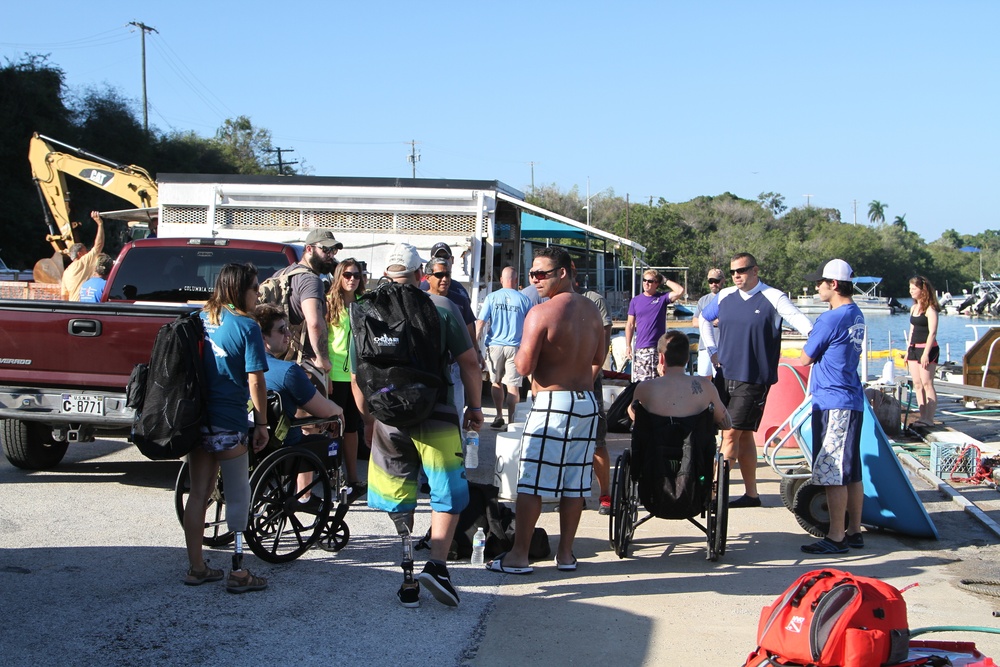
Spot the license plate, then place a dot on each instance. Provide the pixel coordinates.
(82, 405)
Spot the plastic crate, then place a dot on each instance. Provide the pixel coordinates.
(948, 459)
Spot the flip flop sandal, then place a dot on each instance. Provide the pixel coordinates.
(566, 567)
(496, 565)
(245, 584)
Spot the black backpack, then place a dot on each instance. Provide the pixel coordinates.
(169, 393)
(401, 368)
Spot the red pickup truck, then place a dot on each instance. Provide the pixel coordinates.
(64, 365)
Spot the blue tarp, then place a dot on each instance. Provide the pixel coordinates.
(537, 227)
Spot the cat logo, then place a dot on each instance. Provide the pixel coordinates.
(795, 625)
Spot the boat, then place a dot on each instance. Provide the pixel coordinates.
(810, 304)
(868, 300)
(984, 300)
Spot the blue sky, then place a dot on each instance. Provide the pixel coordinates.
(848, 101)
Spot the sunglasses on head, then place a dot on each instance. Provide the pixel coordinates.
(714, 281)
(741, 270)
(541, 275)
(442, 274)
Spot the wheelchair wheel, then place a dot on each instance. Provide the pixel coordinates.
(811, 509)
(789, 487)
(718, 512)
(624, 506)
(335, 537)
(281, 528)
(217, 533)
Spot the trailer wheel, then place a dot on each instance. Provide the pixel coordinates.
(30, 445)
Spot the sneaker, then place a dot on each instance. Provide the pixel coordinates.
(409, 595)
(826, 547)
(313, 504)
(856, 541)
(498, 424)
(605, 508)
(435, 578)
(745, 501)
(358, 489)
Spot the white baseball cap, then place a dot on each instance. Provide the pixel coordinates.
(835, 269)
(403, 254)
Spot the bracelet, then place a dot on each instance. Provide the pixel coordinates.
(476, 409)
(259, 424)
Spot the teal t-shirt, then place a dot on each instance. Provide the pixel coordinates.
(233, 349)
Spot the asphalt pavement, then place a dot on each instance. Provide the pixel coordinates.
(92, 556)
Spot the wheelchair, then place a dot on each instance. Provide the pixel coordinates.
(674, 470)
(281, 528)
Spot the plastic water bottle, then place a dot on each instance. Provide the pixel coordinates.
(471, 449)
(478, 546)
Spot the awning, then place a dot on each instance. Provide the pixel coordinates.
(535, 227)
(585, 230)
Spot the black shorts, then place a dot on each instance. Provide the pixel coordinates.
(913, 353)
(745, 403)
(341, 394)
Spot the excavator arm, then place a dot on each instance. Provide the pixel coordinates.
(49, 169)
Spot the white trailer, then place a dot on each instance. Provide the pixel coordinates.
(480, 220)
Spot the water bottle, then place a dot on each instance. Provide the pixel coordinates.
(472, 449)
(478, 546)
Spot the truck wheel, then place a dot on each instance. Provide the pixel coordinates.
(30, 445)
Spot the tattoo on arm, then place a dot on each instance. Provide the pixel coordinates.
(696, 387)
(727, 421)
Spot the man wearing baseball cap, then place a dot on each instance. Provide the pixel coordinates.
(442, 249)
(834, 349)
(307, 305)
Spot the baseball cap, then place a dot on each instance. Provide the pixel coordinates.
(403, 254)
(438, 247)
(835, 269)
(324, 238)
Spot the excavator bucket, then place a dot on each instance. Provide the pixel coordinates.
(50, 269)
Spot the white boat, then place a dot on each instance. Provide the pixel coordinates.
(869, 301)
(810, 304)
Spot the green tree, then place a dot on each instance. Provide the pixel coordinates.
(773, 202)
(900, 221)
(876, 212)
(245, 146)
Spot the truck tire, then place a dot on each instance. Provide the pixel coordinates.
(30, 445)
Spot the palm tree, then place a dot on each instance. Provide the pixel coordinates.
(900, 222)
(876, 212)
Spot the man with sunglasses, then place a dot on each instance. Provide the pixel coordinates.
(562, 349)
(646, 322)
(746, 357)
(307, 305)
(501, 319)
(715, 282)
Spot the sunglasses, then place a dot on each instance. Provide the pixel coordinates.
(255, 287)
(442, 274)
(741, 270)
(541, 275)
(283, 330)
(714, 281)
(350, 275)
(654, 280)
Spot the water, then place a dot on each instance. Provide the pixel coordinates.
(953, 332)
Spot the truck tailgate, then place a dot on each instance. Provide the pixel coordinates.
(77, 345)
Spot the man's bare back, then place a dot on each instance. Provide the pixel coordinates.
(563, 340)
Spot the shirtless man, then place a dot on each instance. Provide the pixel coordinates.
(562, 349)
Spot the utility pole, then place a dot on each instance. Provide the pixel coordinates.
(855, 202)
(281, 163)
(808, 199)
(143, 29)
(533, 177)
(414, 157)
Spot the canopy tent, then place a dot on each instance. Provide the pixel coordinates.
(537, 227)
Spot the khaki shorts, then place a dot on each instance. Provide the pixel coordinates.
(500, 364)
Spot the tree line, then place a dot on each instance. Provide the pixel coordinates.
(788, 243)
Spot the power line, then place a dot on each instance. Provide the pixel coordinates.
(414, 157)
(143, 29)
(281, 164)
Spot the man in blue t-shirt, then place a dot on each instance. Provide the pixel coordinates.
(834, 348)
(502, 320)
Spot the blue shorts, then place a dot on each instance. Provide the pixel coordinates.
(836, 446)
(398, 454)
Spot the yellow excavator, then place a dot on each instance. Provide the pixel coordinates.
(49, 168)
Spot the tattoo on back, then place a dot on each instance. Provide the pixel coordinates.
(696, 387)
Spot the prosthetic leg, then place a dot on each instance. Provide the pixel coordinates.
(409, 592)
